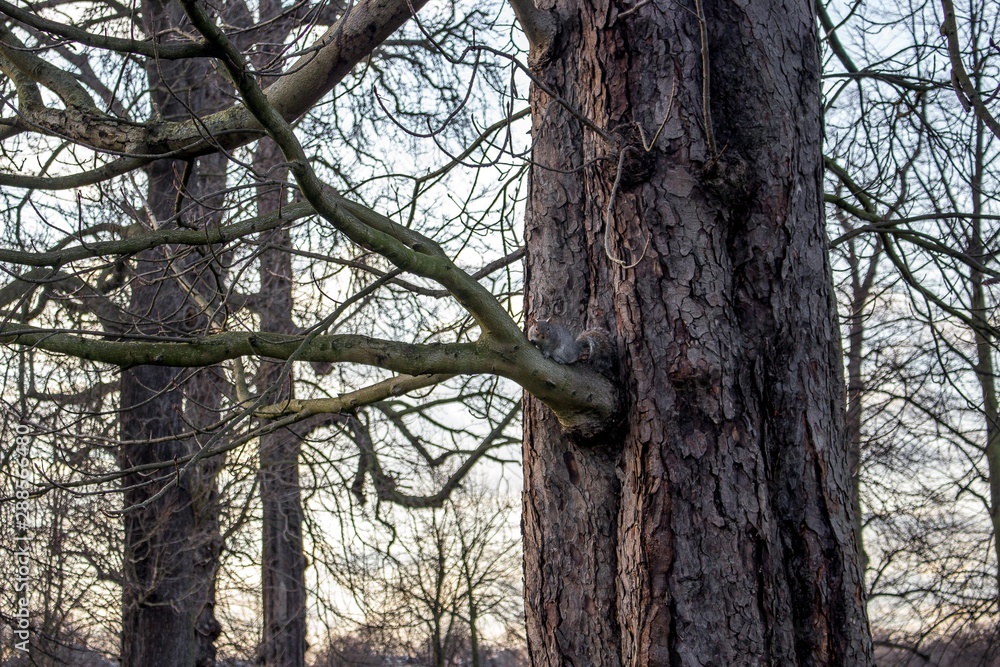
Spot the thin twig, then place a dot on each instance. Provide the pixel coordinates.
(706, 108)
(648, 147)
(608, 219)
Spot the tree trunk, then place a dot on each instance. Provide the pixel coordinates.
(862, 281)
(204, 398)
(716, 527)
(283, 563)
(158, 619)
(172, 543)
(855, 397)
(984, 368)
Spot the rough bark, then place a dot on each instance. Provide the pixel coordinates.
(716, 527)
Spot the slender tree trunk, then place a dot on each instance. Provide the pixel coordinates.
(716, 527)
(438, 635)
(204, 394)
(985, 368)
(855, 394)
(283, 564)
(861, 289)
(476, 661)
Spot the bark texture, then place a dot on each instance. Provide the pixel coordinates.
(716, 527)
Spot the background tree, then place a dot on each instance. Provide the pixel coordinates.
(443, 580)
(911, 165)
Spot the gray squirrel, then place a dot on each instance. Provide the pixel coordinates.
(593, 346)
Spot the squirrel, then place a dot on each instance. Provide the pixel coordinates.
(558, 343)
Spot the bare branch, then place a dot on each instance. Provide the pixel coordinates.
(964, 87)
(377, 392)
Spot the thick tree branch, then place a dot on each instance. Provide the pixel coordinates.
(584, 401)
(348, 42)
(126, 351)
(966, 90)
(540, 27)
(138, 241)
(29, 96)
(60, 82)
